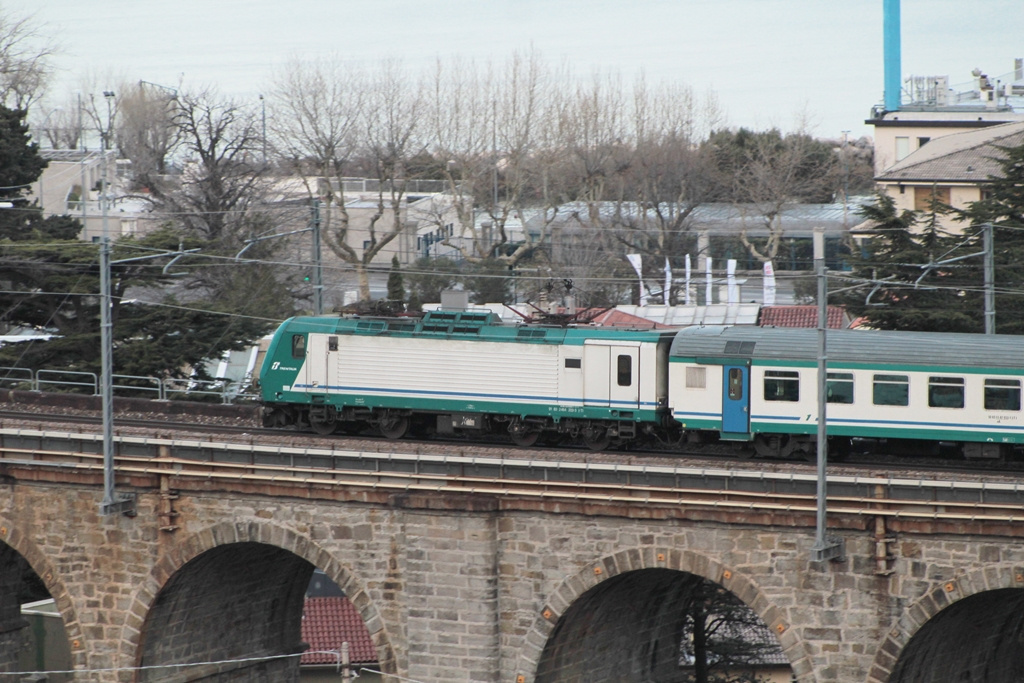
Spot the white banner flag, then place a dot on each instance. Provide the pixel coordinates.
(668, 282)
(636, 261)
(733, 290)
(769, 284)
(707, 281)
(686, 295)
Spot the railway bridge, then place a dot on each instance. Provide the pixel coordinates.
(507, 570)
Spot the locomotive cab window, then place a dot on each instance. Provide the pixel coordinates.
(625, 371)
(298, 346)
(839, 387)
(332, 343)
(891, 390)
(946, 392)
(781, 385)
(574, 362)
(1002, 394)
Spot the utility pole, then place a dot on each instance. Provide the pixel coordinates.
(318, 275)
(111, 504)
(825, 547)
(990, 280)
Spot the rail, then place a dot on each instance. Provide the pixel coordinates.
(161, 389)
(744, 491)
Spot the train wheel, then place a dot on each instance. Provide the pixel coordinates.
(322, 426)
(523, 434)
(596, 437)
(392, 425)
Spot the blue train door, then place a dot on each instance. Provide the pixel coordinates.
(736, 399)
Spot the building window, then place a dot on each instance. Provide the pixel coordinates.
(924, 196)
(921, 142)
(781, 385)
(891, 390)
(839, 387)
(946, 392)
(1002, 394)
(902, 148)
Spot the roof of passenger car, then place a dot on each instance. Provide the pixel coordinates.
(926, 349)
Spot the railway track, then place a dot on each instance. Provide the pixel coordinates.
(324, 472)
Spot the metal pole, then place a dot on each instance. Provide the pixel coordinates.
(106, 352)
(990, 280)
(263, 103)
(81, 145)
(824, 548)
(318, 275)
(110, 504)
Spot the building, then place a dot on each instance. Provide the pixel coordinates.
(930, 109)
(952, 169)
(327, 622)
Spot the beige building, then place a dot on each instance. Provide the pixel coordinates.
(933, 109)
(953, 169)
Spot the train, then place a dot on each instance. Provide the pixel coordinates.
(467, 373)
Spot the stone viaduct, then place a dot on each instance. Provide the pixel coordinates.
(478, 587)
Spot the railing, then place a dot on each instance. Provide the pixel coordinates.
(165, 389)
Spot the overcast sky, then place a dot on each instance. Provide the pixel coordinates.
(768, 60)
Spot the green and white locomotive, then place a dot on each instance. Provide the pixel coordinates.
(465, 372)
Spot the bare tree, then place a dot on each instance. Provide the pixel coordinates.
(390, 124)
(24, 66)
(769, 172)
(145, 131)
(488, 124)
(220, 188)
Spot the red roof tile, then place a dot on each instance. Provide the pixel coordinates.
(801, 316)
(329, 622)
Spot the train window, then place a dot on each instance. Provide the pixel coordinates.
(332, 343)
(574, 362)
(839, 387)
(625, 371)
(1002, 394)
(781, 385)
(946, 392)
(696, 377)
(891, 390)
(735, 384)
(298, 346)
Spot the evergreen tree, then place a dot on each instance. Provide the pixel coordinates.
(903, 293)
(1003, 208)
(396, 286)
(50, 281)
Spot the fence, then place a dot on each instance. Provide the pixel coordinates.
(165, 389)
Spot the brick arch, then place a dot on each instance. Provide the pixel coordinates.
(634, 559)
(12, 536)
(922, 610)
(252, 532)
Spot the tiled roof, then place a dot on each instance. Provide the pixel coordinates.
(329, 622)
(617, 318)
(802, 316)
(960, 157)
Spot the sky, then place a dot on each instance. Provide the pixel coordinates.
(771, 63)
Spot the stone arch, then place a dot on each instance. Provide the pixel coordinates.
(941, 596)
(227, 533)
(634, 559)
(12, 536)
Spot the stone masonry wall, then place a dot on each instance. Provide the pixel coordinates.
(471, 593)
